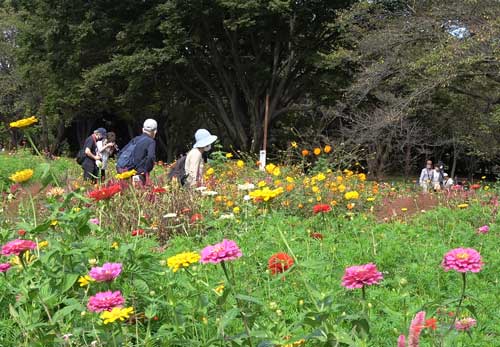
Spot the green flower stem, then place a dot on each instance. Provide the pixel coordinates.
(41, 156)
(238, 303)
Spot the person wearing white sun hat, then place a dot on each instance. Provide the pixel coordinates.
(194, 159)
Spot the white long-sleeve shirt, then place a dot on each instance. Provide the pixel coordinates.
(427, 176)
(194, 167)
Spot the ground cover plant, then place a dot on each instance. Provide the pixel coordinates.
(295, 255)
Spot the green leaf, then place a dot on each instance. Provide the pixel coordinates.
(68, 282)
(150, 311)
(249, 299)
(228, 318)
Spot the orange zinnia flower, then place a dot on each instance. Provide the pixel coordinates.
(327, 149)
(317, 151)
(305, 152)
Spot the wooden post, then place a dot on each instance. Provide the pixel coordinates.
(263, 152)
(266, 122)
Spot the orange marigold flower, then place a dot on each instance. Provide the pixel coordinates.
(317, 151)
(305, 152)
(327, 149)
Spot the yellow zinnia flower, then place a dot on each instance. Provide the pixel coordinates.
(182, 260)
(85, 280)
(43, 244)
(126, 174)
(240, 163)
(219, 289)
(462, 206)
(354, 195)
(21, 176)
(229, 155)
(22, 123)
(210, 171)
(115, 314)
(294, 144)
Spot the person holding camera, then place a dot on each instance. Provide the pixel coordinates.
(105, 148)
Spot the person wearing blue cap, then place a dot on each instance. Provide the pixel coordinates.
(90, 170)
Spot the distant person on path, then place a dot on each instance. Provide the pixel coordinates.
(427, 177)
(105, 148)
(194, 160)
(447, 181)
(91, 156)
(140, 153)
(437, 178)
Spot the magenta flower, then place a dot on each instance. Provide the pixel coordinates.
(483, 230)
(360, 276)
(105, 301)
(402, 341)
(94, 221)
(108, 272)
(465, 324)
(462, 260)
(224, 251)
(4, 267)
(18, 246)
(416, 326)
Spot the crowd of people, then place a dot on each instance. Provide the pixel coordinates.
(433, 178)
(140, 155)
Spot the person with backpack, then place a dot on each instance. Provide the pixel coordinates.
(140, 153)
(88, 155)
(194, 162)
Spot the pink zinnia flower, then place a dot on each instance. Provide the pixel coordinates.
(108, 272)
(18, 246)
(402, 341)
(416, 326)
(465, 324)
(224, 251)
(483, 230)
(462, 260)
(361, 275)
(105, 301)
(4, 267)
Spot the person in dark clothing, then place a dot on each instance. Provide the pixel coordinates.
(143, 152)
(90, 149)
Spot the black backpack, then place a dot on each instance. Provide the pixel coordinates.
(179, 170)
(80, 156)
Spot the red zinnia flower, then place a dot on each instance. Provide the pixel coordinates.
(279, 262)
(105, 192)
(475, 186)
(159, 190)
(321, 208)
(138, 232)
(317, 236)
(196, 218)
(431, 323)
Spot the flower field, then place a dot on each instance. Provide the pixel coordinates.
(255, 258)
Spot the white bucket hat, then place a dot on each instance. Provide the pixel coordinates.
(203, 138)
(150, 125)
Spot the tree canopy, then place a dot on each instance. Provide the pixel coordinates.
(403, 80)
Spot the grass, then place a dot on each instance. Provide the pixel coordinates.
(183, 309)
